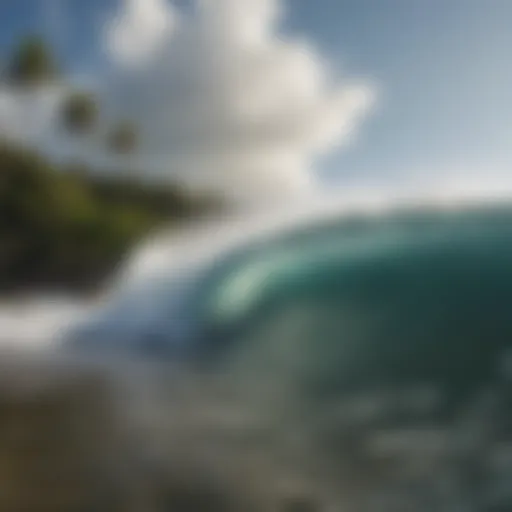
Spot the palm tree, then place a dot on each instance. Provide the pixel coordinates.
(80, 113)
(123, 138)
(32, 64)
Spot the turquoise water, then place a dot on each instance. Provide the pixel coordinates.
(421, 298)
(365, 362)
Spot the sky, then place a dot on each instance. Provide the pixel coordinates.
(297, 94)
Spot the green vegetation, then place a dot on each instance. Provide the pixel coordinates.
(32, 64)
(67, 228)
(80, 113)
(123, 138)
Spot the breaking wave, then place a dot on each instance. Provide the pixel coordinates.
(393, 392)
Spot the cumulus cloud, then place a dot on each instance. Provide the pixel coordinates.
(29, 116)
(223, 99)
(139, 29)
(33, 118)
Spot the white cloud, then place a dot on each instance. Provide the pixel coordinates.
(222, 98)
(139, 28)
(30, 116)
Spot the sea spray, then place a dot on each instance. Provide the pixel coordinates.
(419, 420)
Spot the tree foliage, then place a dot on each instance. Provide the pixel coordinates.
(32, 63)
(80, 113)
(70, 229)
(123, 138)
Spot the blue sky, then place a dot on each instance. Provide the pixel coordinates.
(443, 69)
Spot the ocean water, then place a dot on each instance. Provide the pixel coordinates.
(377, 378)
